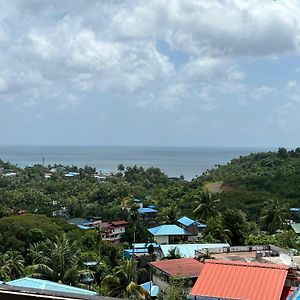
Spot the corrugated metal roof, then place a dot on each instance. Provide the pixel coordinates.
(154, 288)
(188, 250)
(187, 267)
(186, 221)
(296, 227)
(241, 280)
(294, 294)
(147, 210)
(34, 283)
(168, 230)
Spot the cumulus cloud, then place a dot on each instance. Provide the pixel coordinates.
(53, 49)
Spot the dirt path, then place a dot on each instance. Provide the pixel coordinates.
(216, 187)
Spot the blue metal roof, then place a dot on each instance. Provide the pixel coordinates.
(295, 295)
(168, 230)
(154, 288)
(186, 221)
(147, 210)
(188, 250)
(41, 284)
(128, 252)
(85, 227)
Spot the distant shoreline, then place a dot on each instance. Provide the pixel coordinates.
(174, 161)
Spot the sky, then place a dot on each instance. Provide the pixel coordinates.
(150, 72)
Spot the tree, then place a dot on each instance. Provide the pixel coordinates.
(217, 230)
(235, 220)
(120, 283)
(170, 214)
(273, 215)
(121, 168)
(173, 253)
(11, 265)
(207, 206)
(58, 261)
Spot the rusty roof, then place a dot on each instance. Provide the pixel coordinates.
(241, 280)
(187, 267)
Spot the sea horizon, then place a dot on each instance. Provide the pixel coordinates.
(174, 161)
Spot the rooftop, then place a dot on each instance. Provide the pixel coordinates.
(147, 210)
(296, 227)
(168, 230)
(188, 250)
(187, 267)
(241, 280)
(186, 221)
(48, 285)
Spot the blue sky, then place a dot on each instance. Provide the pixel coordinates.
(161, 73)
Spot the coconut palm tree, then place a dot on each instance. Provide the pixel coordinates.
(58, 261)
(11, 265)
(170, 214)
(207, 206)
(273, 215)
(120, 283)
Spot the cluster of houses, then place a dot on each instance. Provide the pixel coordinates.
(256, 273)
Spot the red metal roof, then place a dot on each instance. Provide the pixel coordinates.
(188, 267)
(119, 223)
(241, 280)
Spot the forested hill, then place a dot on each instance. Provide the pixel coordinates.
(260, 175)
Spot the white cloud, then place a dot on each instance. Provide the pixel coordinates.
(51, 49)
(264, 92)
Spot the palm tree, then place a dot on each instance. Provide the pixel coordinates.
(273, 215)
(58, 261)
(15, 262)
(11, 265)
(120, 283)
(170, 214)
(207, 207)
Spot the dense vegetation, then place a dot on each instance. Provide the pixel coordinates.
(251, 207)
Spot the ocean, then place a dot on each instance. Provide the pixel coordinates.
(174, 161)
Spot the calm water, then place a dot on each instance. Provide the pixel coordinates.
(172, 160)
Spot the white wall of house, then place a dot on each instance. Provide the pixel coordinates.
(119, 230)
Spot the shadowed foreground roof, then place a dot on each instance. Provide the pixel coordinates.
(9, 292)
(48, 285)
(241, 280)
(187, 267)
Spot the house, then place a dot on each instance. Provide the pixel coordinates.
(111, 231)
(71, 174)
(185, 269)
(166, 234)
(193, 227)
(41, 284)
(147, 213)
(79, 221)
(241, 280)
(140, 249)
(189, 250)
(296, 227)
(10, 174)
